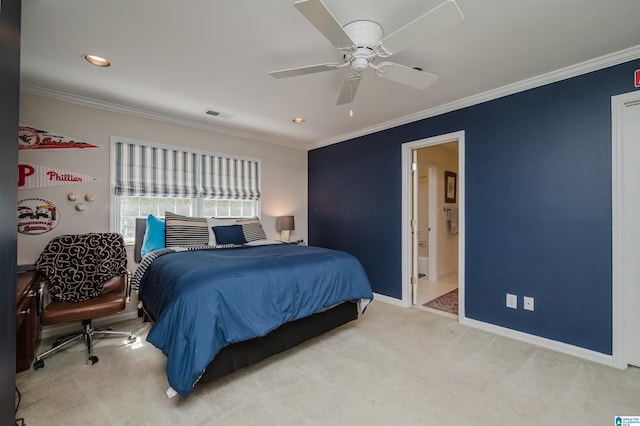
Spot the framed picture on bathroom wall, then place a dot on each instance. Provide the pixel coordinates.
(449, 187)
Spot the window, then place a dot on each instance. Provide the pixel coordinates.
(229, 208)
(151, 179)
(142, 206)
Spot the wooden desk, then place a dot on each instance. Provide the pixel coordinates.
(27, 324)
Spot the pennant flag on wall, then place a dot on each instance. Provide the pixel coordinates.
(32, 138)
(33, 176)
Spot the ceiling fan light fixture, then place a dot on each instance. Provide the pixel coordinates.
(364, 34)
(362, 42)
(359, 64)
(96, 60)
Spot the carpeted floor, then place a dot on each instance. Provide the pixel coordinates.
(392, 366)
(447, 302)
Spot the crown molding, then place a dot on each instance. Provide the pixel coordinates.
(68, 97)
(596, 64)
(605, 61)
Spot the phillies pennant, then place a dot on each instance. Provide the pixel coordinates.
(33, 176)
(32, 138)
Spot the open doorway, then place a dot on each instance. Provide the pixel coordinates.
(436, 228)
(433, 223)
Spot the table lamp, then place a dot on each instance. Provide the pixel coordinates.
(284, 224)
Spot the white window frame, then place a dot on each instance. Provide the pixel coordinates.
(197, 202)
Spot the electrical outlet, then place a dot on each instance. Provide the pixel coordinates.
(512, 301)
(528, 303)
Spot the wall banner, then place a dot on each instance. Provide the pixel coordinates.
(32, 138)
(34, 176)
(37, 216)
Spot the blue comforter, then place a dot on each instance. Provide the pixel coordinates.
(204, 300)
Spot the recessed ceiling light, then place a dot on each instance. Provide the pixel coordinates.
(298, 120)
(96, 60)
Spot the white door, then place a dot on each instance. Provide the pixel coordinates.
(414, 226)
(433, 224)
(631, 242)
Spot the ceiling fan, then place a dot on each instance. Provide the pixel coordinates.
(362, 42)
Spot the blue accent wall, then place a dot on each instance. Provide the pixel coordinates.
(538, 205)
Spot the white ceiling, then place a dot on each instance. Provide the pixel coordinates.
(175, 59)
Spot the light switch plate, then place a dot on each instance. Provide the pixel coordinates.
(512, 301)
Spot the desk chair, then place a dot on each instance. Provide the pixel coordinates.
(85, 276)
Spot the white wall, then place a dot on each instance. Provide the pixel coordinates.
(284, 170)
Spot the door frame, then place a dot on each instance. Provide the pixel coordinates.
(407, 193)
(619, 278)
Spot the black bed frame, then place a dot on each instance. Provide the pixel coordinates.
(242, 354)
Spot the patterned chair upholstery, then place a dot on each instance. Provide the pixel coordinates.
(85, 276)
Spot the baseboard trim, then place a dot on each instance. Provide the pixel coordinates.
(388, 299)
(565, 348)
(554, 345)
(62, 329)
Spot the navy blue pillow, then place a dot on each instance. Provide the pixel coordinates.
(231, 234)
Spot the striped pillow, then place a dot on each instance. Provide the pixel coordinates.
(185, 231)
(252, 230)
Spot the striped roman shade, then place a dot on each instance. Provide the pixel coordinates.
(229, 178)
(154, 171)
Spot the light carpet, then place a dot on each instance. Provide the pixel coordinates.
(392, 366)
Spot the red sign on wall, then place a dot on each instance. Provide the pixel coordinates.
(637, 78)
(32, 138)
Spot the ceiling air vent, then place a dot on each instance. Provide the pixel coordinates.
(217, 113)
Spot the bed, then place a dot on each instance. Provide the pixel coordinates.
(219, 308)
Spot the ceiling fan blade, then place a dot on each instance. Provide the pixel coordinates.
(433, 22)
(405, 75)
(317, 13)
(349, 88)
(304, 70)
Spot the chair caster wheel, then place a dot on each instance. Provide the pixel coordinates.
(92, 360)
(38, 364)
(131, 339)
